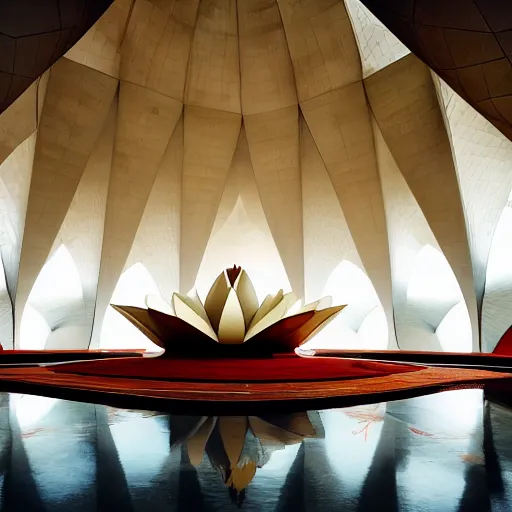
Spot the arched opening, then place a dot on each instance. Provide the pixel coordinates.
(497, 303)
(362, 324)
(34, 330)
(242, 241)
(436, 316)
(54, 316)
(131, 290)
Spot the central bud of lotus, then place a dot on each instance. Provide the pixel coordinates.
(231, 315)
(233, 310)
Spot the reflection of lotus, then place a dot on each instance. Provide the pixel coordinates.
(238, 445)
(231, 315)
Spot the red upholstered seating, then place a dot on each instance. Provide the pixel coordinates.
(280, 368)
(504, 346)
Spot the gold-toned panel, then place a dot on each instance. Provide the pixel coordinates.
(403, 99)
(265, 65)
(77, 103)
(327, 238)
(82, 230)
(210, 138)
(273, 139)
(340, 124)
(100, 47)
(145, 123)
(156, 47)
(322, 45)
(157, 242)
(213, 74)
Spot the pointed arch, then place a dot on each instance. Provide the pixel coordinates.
(436, 315)
(497, 302)
(34, 330)
(57, 300)
(362, 324)
(241, 233)
(132, 287)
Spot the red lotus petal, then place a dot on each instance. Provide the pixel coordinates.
(169, 332)
(289, 333)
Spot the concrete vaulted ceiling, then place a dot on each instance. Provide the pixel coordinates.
(468, 43)
(299, 138)
(34, 34)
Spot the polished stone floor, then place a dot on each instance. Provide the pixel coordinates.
(446, 452)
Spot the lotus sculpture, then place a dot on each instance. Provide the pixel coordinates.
(231, 321)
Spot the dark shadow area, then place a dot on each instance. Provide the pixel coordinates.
(291, 497)
(475, 497)
(111, 486)
(46, 30)
(190, 496)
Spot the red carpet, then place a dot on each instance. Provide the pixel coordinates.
(285, 368)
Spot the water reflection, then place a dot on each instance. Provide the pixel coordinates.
(450, 451)
(236, 446)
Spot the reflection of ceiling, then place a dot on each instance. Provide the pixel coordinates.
(34, 34)
(468, 43)
(139, 142)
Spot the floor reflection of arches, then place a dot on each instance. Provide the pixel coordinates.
(498, 450)
(447, 451)
(142, 445)
(351, 438)
(52, 457)
(439, 427)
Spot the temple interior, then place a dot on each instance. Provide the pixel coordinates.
(352, 157)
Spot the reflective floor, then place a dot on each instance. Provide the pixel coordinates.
(446, 452)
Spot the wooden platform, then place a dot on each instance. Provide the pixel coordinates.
(205, 397)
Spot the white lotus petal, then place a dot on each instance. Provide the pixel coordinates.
(194, 303)
(290, 299)
(232, 324)
(156, 303)
(295, 308)
(216, 299)
(270, 302)
(186, 313)
(270, 318)
(233, 430)
(269, 432)
(324, 303)
(262, 310)
(197, 443)
(247, 297)
(312, 306)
